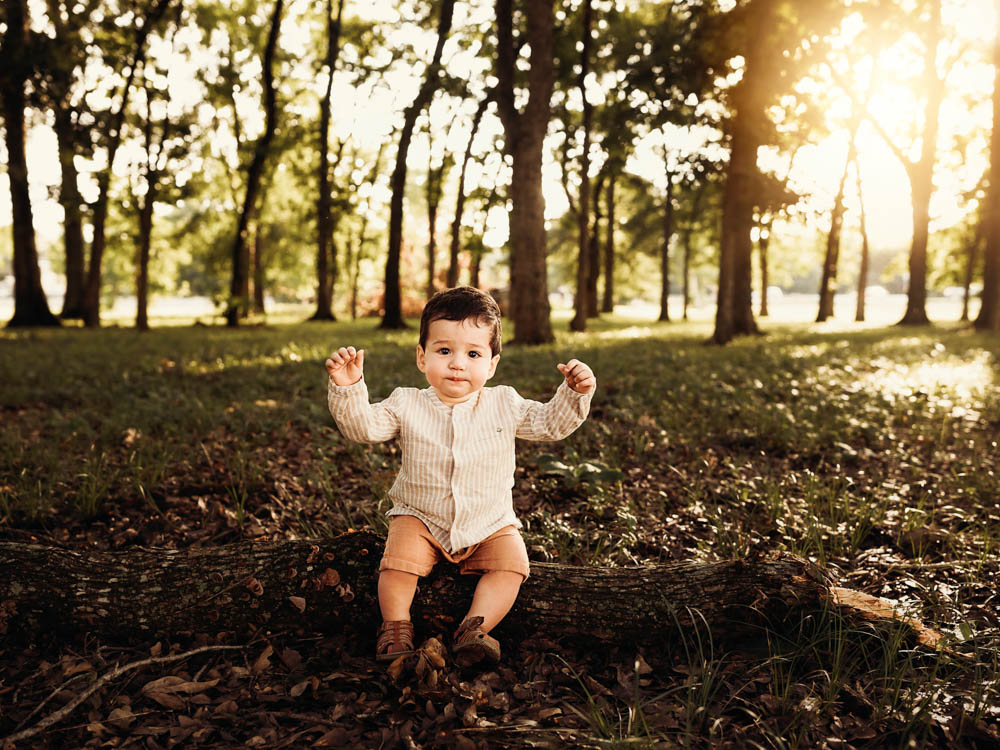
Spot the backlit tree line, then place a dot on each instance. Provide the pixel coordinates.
(258, 176)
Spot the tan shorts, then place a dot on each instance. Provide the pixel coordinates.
(412, 548)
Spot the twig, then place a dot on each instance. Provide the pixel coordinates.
(49, 697)
(107, 677)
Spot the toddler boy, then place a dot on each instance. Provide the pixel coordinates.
(452, 497)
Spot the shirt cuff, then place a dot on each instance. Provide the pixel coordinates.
(346, 390)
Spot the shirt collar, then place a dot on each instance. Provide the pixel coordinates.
(467, 405)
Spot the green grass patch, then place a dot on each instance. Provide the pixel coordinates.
(872, 452)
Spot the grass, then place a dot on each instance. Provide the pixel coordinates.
(873, 452)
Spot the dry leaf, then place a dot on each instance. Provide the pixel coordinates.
(299, 602)
(336, 737)
(300, 687)
(264, 660)
(167, 700)
(121, 718)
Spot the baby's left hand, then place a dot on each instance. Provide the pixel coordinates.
(578, 376)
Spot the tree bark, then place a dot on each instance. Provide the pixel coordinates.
(828, 278)
(325, 270)
(324, 585)
(392, 317)
(240, 281)
(763, 241)
(524, 137)
(456, 224)
(71, 201)
(608, 303)
(971, 261)
(581, 304)
(31, 308)
(859, 311)
(922, 181)
(435, 183)
(92, 291)
(594, 247)
(668, 233)
(989, 308)
(734, 312)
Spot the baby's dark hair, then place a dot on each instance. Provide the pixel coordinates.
(463, 303)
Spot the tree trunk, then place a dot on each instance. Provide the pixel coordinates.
(763, 241)
(608, 304)
(323, 585)
(524, 138)
(594, 248)
(435, 180)
(859, 311)
(668, 233)
(259, 275)
(828, 280)
(240, 282)
(71, 202)
(456, 224)
(92, 291)
(392, 317)
(581, 304)
(734, 313)
(989, 308)
(325, 276)
(688, 231)
(922, 182)
(31, 308)
(971, 261)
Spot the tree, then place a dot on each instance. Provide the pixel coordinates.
(239, 284)
(152, 176)
(524, 136)
(734, 315)
(61, 57)
(326, 266)
(31, 308)
(581, 303)
(769, 35)
(112, 139)
(828, 276)
(859, 310)
(456, 224)
(433, 189)
(921, 172)
(989, 311)
(392, 317)
(608, 301)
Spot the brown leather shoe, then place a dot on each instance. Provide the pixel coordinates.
(472, 645)
(395, 639)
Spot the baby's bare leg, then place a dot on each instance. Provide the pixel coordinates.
(495, 595)
(395, 593)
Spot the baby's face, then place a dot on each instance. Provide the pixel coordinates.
(458, 360)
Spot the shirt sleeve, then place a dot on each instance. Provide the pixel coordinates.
(554, 419)
(359, 420)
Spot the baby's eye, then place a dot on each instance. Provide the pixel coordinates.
(475, 355)
(444, 350)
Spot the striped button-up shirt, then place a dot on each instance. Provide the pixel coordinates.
(458, 462)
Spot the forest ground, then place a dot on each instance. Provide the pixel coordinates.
(872, 452)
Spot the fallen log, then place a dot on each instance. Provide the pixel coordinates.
(258, 587)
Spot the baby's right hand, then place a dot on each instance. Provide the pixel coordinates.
(346, 365)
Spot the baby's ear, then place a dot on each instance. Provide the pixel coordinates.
(493, 365)
(421, 364)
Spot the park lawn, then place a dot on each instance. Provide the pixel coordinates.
(872, 452)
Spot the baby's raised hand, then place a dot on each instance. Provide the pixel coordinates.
(346, 365)
(578, 376)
